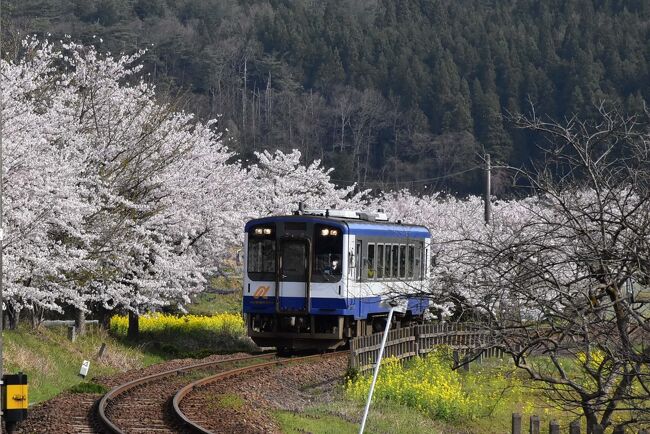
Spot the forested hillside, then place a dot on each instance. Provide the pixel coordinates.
(386, 91)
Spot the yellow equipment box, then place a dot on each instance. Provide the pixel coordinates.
(14, 399)
(17, 396)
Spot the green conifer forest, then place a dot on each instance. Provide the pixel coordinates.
(392, 93)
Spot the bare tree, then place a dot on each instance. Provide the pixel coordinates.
(365, 123)
(559, 286)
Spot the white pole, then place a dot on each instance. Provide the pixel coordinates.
(374, 377)
(488, 187)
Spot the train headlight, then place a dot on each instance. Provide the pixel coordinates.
(329, 232)
(267, 231)
(258, 231)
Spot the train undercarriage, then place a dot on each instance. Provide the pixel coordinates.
(319, 332)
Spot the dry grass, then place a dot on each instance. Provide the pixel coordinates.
(26, 358)
(52, 362)
(121, 360)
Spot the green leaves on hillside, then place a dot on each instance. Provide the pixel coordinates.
(363, 83)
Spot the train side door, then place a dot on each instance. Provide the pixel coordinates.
(293, 276)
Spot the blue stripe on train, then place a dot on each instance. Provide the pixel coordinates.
(358, 228)
(388, 230)
(360, 308)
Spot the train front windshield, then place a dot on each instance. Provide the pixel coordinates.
(266, 243)
(261, 253)
(328, 249)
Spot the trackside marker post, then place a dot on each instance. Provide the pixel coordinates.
(84, 369)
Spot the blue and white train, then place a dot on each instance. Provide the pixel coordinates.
(317, 278)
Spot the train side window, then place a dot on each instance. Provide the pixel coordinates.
(418, 261)
(371, 261)
(402, 261)
(359, 260)
(380, 261)
(411, 258)
(394, 261)
(386, 261)
(425, 253)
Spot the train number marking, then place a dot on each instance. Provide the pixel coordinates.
(261, 292)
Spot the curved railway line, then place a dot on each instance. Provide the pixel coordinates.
(199, 425)
(142, 405)
(155, 403)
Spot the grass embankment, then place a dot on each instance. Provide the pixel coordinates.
(426, 395)
(343, 416)
(52, 362)
(209, 303)
(223, 296)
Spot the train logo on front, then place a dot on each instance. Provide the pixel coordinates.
(261, 292)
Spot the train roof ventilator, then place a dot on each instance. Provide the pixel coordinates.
(380, 216)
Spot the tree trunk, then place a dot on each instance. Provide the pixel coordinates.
(80, 321)
(134, 326)
(36, 316)
(104, 317)
(592, 420)
(11, 318)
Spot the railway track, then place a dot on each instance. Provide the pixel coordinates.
(157, 403)
(143, 405)
(200, 419)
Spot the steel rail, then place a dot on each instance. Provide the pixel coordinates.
(182, 393)
(122, 388)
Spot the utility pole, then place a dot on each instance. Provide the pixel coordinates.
(2, 386)
(486, 197)
(243, 103)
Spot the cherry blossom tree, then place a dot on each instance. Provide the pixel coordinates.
(572, 267)
(116, 199)
(113, 199)
(555, 277)
(41, 195)
(281, 181)
(161, 182)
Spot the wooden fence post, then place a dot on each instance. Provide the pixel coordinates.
(102, 350)
(72, 333)
(457, 359)
(416, 340)
(516, 423)
(554, 427)
(619, 429)
(534, 424)
(574, 428)
(353, 358)
(597, 429)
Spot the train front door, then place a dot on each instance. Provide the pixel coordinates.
(294, 275)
